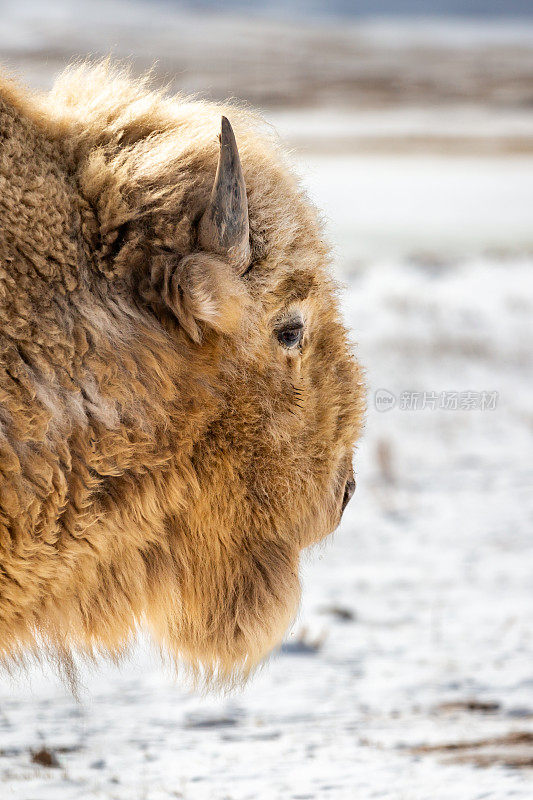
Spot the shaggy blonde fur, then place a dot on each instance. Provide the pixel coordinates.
(163, 459)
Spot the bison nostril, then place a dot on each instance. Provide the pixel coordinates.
(349, 489)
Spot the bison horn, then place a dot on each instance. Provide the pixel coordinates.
(224, 227)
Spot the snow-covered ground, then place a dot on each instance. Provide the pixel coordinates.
(421, 603)
(416, 623)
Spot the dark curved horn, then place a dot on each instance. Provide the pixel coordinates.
(224, 227)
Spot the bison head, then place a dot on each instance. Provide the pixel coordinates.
(216, 400)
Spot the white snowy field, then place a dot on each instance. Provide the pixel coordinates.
(416, 627)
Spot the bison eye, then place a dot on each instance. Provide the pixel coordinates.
(291, 335)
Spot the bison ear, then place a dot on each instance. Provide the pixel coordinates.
(224, 228)
(200, 291)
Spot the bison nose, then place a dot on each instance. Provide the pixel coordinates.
(349, 489)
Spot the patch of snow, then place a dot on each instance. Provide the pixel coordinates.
(400, 206)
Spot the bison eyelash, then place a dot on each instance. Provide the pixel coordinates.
(298, 395)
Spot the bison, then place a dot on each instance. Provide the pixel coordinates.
(179, 401)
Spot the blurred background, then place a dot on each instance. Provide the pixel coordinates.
(408, 674)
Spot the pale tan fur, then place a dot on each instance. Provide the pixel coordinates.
(163, 459)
